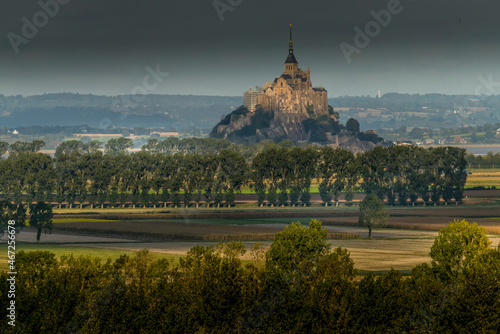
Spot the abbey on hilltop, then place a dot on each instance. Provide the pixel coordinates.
(290, 108)
(291, 93)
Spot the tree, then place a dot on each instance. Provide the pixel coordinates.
(20, 147)
(297, 244)
(69, 147)
(416, 133)
(117, 146)
(457, 245)
(151, 145)
(372, 213)
(9, 212)
(92, 147)
(352, 125)
(41, 218)
(334, 113)
(4, 147)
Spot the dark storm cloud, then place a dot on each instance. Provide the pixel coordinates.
(103, 46)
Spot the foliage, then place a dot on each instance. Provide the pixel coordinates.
(41, 218)
(116, 146)
(297, 244)
(13, 212)
(352, 125)
(372, 213)
(302, 286)
(457, 246)
(214, 167)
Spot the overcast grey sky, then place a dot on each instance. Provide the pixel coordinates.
(104, 46)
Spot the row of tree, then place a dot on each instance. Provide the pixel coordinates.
(280, 175)
(299, 285)
(490, 160)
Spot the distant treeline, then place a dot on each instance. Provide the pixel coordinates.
(66, 109)
(398, 102)
(489, 160)
(299, 285)
(279, 175)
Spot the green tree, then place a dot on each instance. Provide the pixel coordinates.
(334, 113)
(41, 218)
(4, 147)
(92, 147)
(14, 212)
(116, 146)
(22, 147)
(457, 245)
(297, 244)
(372, 213)
(352, 125)
(151, 146)
(69, 147)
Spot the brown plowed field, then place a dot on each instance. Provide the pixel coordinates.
(427, 223)
(171, 230)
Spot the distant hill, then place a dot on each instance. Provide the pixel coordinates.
(169, 111)
(391, 111)
(434, 111)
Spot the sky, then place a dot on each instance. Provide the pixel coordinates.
(223, 47)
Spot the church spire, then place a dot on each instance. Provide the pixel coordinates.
(291, 58)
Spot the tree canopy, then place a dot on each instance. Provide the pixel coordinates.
(372, 213)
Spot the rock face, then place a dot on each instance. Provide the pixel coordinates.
(245, 127)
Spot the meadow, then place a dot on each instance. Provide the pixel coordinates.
(170, 233)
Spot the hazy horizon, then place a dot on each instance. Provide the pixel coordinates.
(91, 47)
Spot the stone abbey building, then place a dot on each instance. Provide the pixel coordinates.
(292, 94)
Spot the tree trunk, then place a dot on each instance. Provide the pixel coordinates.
(60, 205)
(369, 233)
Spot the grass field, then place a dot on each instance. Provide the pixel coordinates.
(61, 250)
(172, 232)
(484, 177)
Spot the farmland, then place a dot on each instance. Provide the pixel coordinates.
(402, 244)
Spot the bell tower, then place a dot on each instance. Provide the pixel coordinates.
(291, 64)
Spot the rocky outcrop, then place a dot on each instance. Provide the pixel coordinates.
(245, 127)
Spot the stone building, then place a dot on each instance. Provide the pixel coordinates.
(250, 98)
(292, 94)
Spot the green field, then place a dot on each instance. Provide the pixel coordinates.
(61, 250)
(485, 177)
